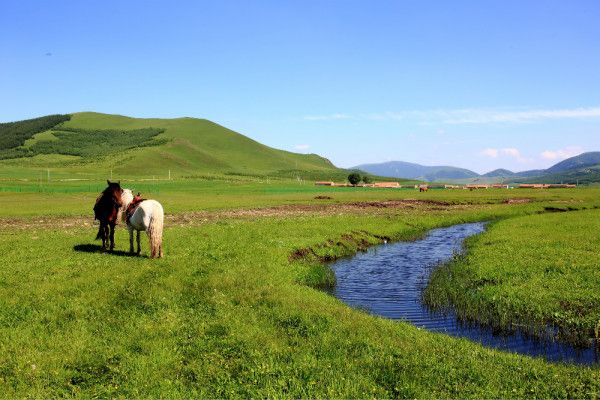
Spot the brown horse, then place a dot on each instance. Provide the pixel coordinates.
(106, 210)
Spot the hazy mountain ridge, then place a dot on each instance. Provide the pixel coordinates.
(584, 160)
(499, 173)
(402, 169)
(583, 168)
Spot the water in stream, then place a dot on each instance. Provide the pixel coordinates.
(388, 280)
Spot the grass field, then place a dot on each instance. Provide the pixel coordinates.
(231, 312)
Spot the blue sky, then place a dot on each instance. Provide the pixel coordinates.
(477, 84)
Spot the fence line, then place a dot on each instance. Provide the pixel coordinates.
(155, 189)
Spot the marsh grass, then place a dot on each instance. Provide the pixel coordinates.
(531, 272)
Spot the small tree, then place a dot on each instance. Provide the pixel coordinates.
(354, 178)
(367, 179)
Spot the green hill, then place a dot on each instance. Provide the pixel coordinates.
(499, 173)
(581, 161)
(88, 144)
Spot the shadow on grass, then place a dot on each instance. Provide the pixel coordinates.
(96, 248)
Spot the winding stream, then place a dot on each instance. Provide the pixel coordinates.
(388, 280)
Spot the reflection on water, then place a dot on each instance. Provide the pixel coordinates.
(388, 280)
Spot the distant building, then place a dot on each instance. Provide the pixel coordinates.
(546, 186)
(386, 185)
(472, 187)
(533, 186)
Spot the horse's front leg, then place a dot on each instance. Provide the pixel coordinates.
(104, 229)
(130, 229)
(112, 237)
(139, 248)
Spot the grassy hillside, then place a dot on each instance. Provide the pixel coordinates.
(93, 144)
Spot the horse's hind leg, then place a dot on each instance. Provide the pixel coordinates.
(153, 248)
(130, 229)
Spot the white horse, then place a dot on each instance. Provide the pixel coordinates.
(148, 215)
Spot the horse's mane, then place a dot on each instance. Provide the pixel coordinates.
(108, 200)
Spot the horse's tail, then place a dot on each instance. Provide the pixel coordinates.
(100, 229)
(155, 231)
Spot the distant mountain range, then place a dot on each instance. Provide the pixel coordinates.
(400, 169)
(584, 168)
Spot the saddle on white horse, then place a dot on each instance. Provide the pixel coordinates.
(132, 207)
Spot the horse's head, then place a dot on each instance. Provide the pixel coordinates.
(115, 191)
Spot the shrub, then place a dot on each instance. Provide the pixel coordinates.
(89, 143)
(14, 134)
(354, 178)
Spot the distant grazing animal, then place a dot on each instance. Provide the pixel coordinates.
(423, 188)
(144, 215)
(106, 210)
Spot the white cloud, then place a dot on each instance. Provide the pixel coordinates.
(506, 152)
(562, 154)
(493, 153)
(486, 116)
(512, 152)
(302, 147)
(470, 115)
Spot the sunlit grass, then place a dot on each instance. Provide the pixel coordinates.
(228, 313)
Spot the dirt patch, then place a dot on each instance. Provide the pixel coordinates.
(309, 209)
(202, 217)
(194, 218)
(300, 254)
(47, 223)
(558, 209)
(517, 201)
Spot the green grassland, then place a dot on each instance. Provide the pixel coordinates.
(229, 313)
